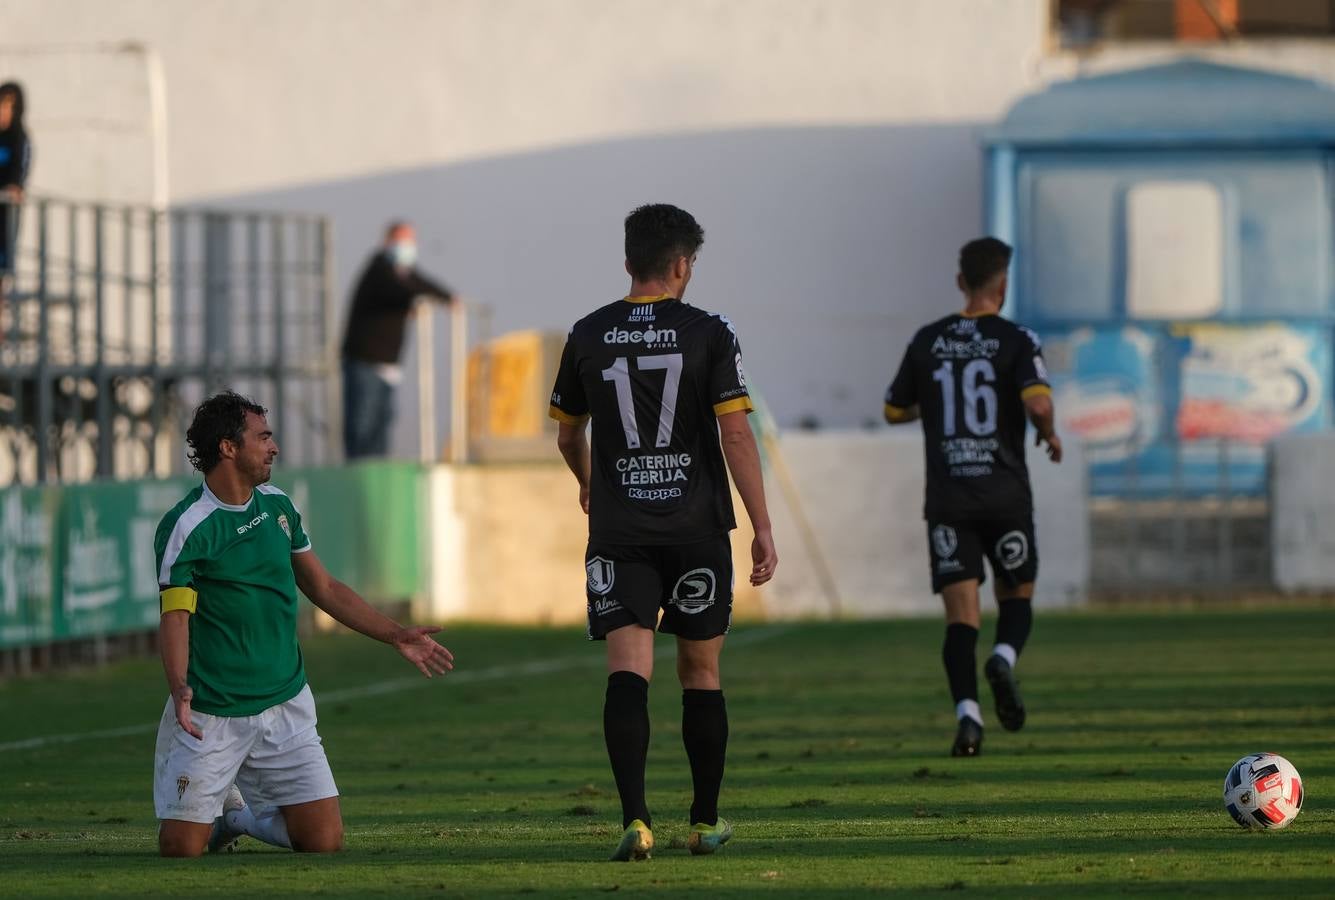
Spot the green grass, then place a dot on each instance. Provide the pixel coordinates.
(496, 784)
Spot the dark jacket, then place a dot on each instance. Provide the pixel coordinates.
(380, 308)
(15, 148)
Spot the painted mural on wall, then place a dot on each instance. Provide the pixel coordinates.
(1188, 407)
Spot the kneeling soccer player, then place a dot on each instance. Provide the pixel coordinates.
(237, 749)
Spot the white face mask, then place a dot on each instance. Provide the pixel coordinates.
(403, 253)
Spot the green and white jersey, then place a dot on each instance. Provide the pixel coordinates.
(231, 568)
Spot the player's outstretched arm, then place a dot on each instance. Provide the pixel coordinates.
(343, 603)
(739, 449)
(1042, 414)
(574, 447)
(174, 642)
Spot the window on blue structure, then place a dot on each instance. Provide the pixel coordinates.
(1174, 250)
(1245, 235)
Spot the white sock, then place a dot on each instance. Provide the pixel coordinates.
(1006, 652)
(272, 829)
(969, 708)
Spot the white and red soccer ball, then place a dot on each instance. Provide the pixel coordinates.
(1263, 790)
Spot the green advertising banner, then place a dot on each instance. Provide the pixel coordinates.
(77, 561)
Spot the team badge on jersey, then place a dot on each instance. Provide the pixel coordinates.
(945, 541)
(287, 529)
(1013, 549)
(694, 591)
(602, 573)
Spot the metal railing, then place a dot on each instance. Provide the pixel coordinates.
(119, 319)
(1199, 528)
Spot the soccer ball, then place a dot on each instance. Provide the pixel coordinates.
(1263, 790)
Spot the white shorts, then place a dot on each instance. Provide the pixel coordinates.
(275, 758)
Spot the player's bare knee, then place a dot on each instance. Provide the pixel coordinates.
(324, 840)
(175, 846)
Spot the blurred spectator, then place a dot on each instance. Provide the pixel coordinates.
(15, 157)
(381, 305)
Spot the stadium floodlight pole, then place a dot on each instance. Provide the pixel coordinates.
(458, 381)
(426, 383)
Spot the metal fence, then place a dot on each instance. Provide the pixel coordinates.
(1190, 535)
(119, 319)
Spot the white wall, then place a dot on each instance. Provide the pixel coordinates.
(829, 147)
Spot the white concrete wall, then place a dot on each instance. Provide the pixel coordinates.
(830, 147)
(1302, 508)
(508, 540)
(862, 495)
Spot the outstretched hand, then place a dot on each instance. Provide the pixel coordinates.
(1054, 447)
(418, 647)
(181, 698)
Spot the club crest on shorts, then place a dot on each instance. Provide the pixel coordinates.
(181, 784)
(694, 591)
(1013, 550)
(601, 574)
(287, 529)
(944, 541)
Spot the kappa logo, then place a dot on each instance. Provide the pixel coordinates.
(282, 523)
(1013, 550)
(945, 541)
(694, 591)
(181, 784)
(602, 574)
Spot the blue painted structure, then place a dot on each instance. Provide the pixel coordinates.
(1174, 400)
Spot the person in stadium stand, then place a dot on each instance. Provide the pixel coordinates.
(15, 163)
(385, 297)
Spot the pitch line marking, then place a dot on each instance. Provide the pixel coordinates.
(392, 685)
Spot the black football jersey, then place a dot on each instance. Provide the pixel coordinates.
(653, 374)
(969, 376)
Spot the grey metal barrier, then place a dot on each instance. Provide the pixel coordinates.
(1197, 533)
(119, 319)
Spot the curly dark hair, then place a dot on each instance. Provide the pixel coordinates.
(983, 259)
(220, 418)
(656, 234)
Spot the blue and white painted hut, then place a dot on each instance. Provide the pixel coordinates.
(1174, 246)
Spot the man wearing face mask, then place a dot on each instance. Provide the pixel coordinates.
(384, 299)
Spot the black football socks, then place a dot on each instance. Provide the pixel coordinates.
(1013, 625)
(961, 666)
(626, 730)
(704, 732)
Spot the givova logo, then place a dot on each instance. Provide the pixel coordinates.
(242, 529)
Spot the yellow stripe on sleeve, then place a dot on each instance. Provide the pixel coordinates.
(738, 404)
(564, 417)
(896, 413)
(1036, 390)
(179, 598)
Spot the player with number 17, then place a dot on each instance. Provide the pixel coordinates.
(661, 381)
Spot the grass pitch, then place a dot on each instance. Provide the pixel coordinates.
(494, 782)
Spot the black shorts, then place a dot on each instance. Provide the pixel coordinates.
(957, 548)
(690, 583)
